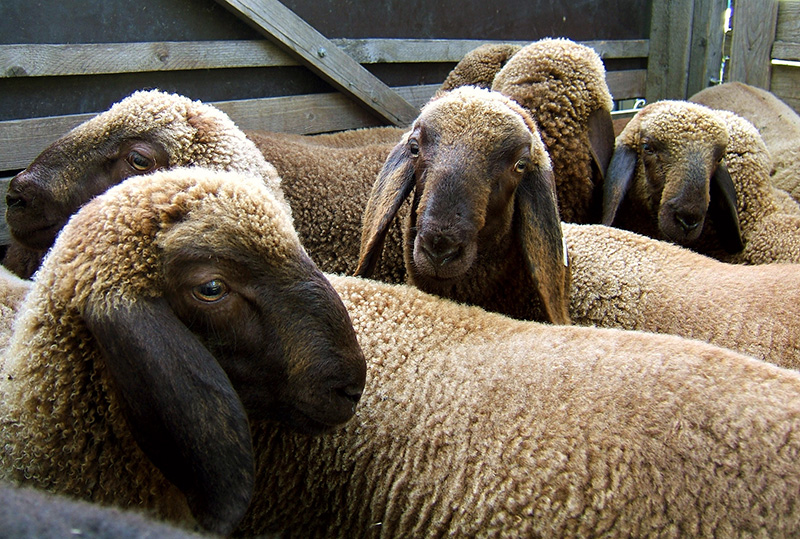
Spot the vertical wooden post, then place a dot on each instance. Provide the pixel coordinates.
(705, 53)
(754, 23)
(670, 40)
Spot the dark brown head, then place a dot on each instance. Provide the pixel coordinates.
(208, 315)
(480, 179)
(144, 132)
(669, 165)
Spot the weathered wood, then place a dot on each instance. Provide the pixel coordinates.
(323, 57)
(22, 140)
(705, 52)
(788, 22)
(754, 25)
(38, 60)
(785, 83)
(786, 50)
(628, 84)
(670, 39)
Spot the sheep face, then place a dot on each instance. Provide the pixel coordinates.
(482, 186)
(142, 133)
(669, 165)
(41, 198)
(204, 313)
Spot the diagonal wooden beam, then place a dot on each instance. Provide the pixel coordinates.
(300, 39)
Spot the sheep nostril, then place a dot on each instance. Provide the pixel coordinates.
(15, 201)
(441, 250)
(687, 222)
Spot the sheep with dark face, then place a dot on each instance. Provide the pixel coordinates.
(483, 227)
(699, 177)
(172, 311)
(146, 131)
(617, 278)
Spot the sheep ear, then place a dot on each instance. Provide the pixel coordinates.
(618, 181)
(601, 139)
(543, 244)
(180, 406)
(722, 208)
(393, 185)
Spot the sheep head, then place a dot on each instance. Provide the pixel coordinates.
(482, 184)
(669, 165)
(147, 131)
(207, 314)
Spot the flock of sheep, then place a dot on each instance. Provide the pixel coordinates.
(484, 354)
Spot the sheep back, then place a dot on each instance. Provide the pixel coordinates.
(479, 425)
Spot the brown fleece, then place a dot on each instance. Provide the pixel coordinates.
(477, 425)
(61, 424)
(479, 66)
(777, 122)
(769, 234)
(562, 83)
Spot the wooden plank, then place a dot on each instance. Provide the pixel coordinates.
(323, 57)
(788, 24)
(670, 38)
(44, 60)
(628, 84)
(705, 52)
(754, 25)
(22, 140)
(785, 83)
(786, 50)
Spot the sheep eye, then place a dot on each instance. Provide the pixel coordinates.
(139, 161)
(648, 148)
(211, 291)
(520, 166)
(413, 147)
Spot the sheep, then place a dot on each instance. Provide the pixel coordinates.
(484, 253)
(171, 311)
(777, 122)
(33, 514)
(479, 66)
(615, 278)
(328, 189)
(146, 131)
(12, 291)
(563, 86)
(473, 424)
(700, 178)
(164, 130)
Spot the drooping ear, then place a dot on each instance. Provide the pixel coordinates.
(393, 185)
(601, 140)
(722, 208)
(543, 243)
(180, 406)
(618, 180)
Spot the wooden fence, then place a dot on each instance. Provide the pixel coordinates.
(681, 55)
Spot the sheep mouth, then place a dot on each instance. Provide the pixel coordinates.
(312, 423)
(38, 237)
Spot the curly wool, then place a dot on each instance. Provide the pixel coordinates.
(479, 66)
(624, 280)
(777, 123)
(561, 83)
(327, 183)
(62, 427)
(474, 424)
(769, 234)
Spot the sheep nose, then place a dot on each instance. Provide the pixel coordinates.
(440, 249)
(688, 221)
(16, 196)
